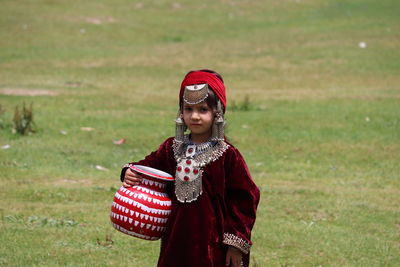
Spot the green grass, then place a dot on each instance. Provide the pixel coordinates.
(321, 136)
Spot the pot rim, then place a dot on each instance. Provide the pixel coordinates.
(152, 172)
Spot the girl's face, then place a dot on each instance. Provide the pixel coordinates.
(199, 119)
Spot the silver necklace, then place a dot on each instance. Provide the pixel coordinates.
(202, 147)
(191, 159)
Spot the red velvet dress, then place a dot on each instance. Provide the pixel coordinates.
(198, 233)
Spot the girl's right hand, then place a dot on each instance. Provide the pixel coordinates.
(131, 178)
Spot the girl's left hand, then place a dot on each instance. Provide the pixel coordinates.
(233, 257)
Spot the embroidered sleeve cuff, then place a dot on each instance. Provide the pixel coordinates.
(237, 242)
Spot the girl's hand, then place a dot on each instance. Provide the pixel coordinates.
(233, 257)
(131, 178)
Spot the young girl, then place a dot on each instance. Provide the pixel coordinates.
(214, 198)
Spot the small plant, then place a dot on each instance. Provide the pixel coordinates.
(244, 105)
(107, 243)
(2, 111)
(23, 120)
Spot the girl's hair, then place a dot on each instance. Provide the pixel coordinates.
(211, 100)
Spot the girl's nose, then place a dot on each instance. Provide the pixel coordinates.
(195, 115)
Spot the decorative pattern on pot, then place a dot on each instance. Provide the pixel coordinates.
(142, 211)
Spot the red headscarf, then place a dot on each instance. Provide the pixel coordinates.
(200, 77)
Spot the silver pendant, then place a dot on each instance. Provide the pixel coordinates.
(188, 182)
(189, 169)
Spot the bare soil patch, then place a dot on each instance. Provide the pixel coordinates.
(98, 21)
(27, 92)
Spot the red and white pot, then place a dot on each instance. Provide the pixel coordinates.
(142, 211)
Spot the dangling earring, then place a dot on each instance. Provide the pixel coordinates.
(219, 124)
(180, 127)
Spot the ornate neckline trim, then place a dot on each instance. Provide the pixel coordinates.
(205, 154)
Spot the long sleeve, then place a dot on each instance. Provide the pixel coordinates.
(158, 159)
(241, 197)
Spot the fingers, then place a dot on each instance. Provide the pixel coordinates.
(233, 257)
(131, 178)
(233, 262)
(124, 184)
(132, 175)
(131, 181)
(227, 260)
(237, 263)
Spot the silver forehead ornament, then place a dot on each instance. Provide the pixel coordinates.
(195, 94)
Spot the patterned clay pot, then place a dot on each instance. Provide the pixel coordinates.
(142, 211)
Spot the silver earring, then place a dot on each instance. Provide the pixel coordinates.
(180, 127)
(219, 124)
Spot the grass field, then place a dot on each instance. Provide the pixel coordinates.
(321, 135)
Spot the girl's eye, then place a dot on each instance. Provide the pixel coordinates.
(188, 108)
(203, 109)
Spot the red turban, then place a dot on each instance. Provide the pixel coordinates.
(200, 77)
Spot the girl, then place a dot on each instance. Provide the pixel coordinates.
(214, 198)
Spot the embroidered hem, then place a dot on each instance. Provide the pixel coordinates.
(237, 242)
